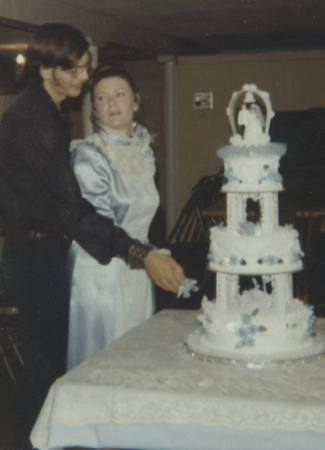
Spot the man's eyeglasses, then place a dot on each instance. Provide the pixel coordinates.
(77, 70)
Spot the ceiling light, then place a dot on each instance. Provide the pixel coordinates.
(20, 59)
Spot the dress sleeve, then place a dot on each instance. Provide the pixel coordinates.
(95, 178)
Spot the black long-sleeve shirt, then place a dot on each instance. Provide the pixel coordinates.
(38, 189)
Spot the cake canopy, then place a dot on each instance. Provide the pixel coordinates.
(250, 119)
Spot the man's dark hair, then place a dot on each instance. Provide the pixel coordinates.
(53, 45)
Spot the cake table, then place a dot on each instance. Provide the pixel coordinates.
(146, 391)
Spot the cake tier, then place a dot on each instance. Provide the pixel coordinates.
(254, 250)
(252, 334)
(252, 169)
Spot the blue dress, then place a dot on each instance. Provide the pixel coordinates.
(115, 174)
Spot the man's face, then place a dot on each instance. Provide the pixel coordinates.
(61, 83)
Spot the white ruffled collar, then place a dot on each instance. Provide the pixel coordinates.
(140, 139)
(131, 157)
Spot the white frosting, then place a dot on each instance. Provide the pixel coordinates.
(254, 138)
(266, 322)
(263, 333)
(251, 169)
(264, 252)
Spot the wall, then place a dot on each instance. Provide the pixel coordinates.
(5, 101)
(149, 78)
(295, 81)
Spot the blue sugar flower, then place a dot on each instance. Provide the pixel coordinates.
(270, 174)
(270, 260)
(246, 332)
(233, 260)
(246, 319)
(252, 329)
(242, 332)
(249, 342)
(211, 257)
(248, 228)
(295, 257)
(229, 173)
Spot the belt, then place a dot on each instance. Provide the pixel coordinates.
(32, 234)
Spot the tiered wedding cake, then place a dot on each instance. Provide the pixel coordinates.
(264, 323)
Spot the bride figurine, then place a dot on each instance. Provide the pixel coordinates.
(254, 125)
(243, 117)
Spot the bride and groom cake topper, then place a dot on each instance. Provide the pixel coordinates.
(253, 126)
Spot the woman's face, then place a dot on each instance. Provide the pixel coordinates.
(115, 104)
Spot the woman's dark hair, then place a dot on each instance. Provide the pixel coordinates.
(53, 45)
(103, 71)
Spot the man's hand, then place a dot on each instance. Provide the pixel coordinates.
(164, 271)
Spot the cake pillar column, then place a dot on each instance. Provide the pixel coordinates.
(227, 290)
(269, 210)
(236, 210)
(282, 291)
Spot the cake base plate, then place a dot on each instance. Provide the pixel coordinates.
(198, 350)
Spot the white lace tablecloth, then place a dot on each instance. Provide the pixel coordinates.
(147, 377)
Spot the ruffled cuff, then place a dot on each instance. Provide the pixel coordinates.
(137, 253)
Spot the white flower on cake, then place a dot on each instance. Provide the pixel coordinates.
(232, 327)
(252, 248)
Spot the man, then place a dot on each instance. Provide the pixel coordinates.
(42, 210)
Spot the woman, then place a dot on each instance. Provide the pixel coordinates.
(115, 169)
(255, 122)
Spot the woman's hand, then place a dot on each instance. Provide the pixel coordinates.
(164, 271)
